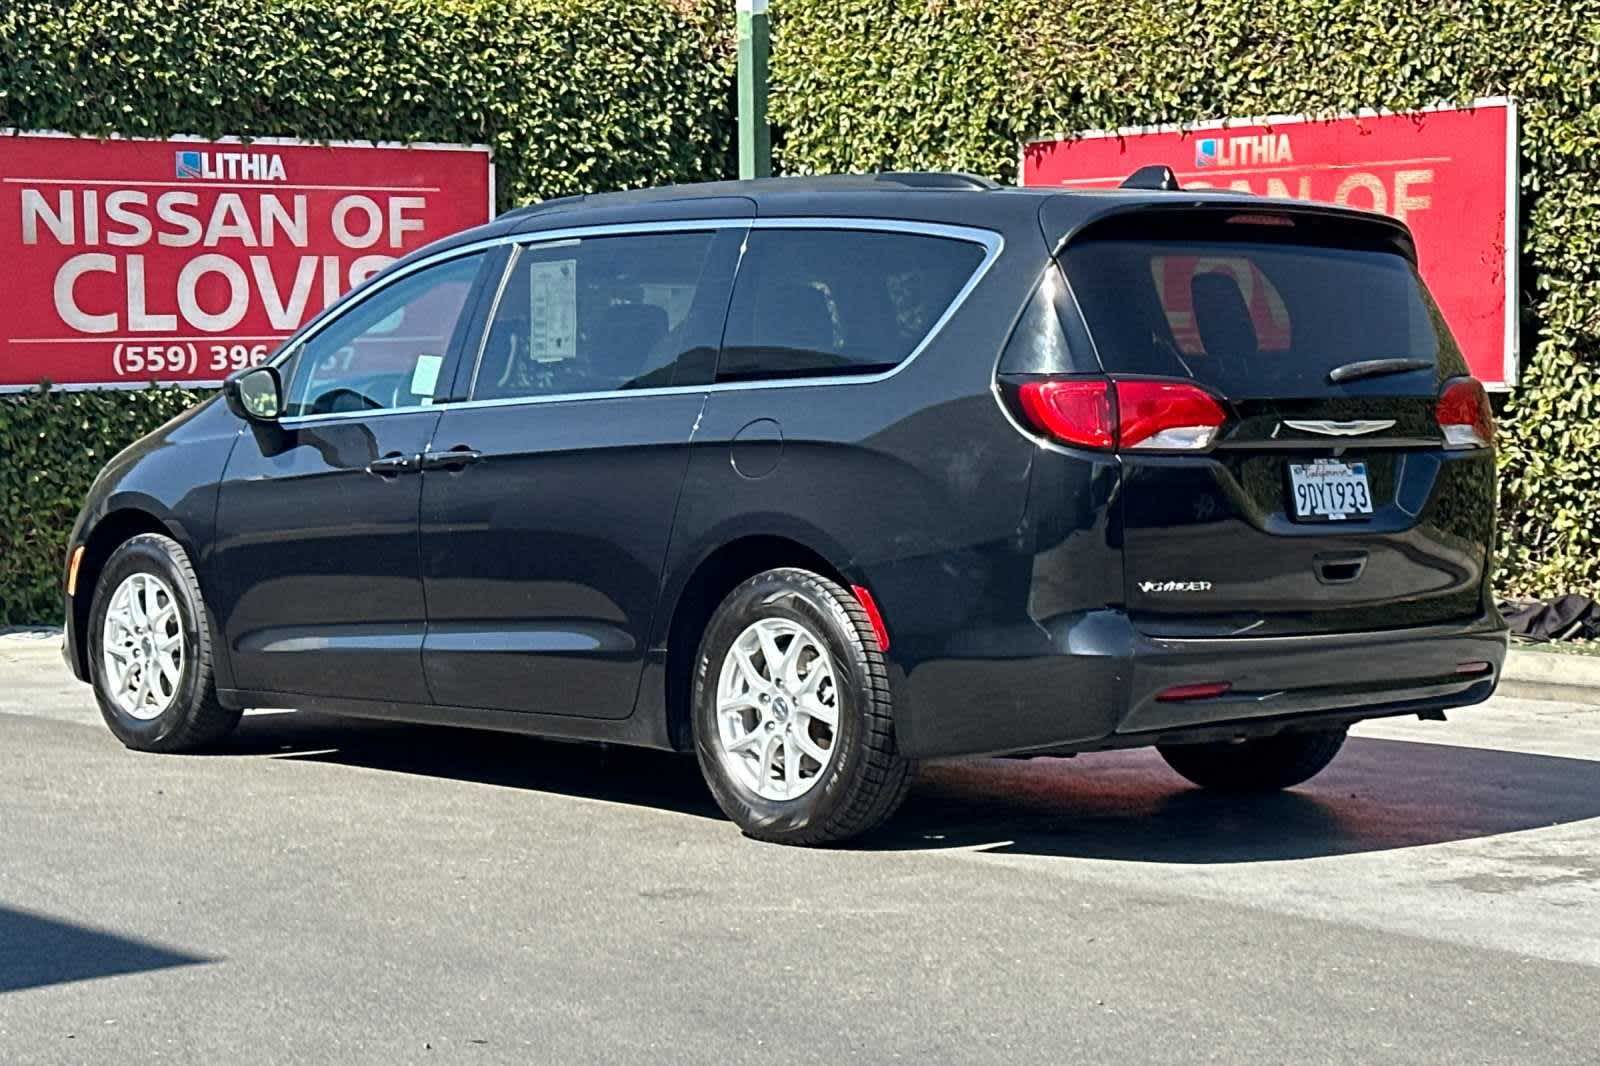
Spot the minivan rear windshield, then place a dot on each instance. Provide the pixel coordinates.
(1257, 318)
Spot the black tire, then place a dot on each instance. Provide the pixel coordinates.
(194, 719)
(1265, 765)
(866, 777)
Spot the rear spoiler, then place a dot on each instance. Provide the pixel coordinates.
(1149, 207)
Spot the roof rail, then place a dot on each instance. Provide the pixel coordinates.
(545, 205)
(927, 179)
(1156, 176)
(907, 179)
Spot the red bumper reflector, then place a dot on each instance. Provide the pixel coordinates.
(874, 616)
(1178, 693)
(1474, 667)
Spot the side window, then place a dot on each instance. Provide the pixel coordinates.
(607, 313)
(838, 301)
(385, 351)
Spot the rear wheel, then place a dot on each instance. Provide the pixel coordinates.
(1264, 765)
(150, 650)
(793, 718)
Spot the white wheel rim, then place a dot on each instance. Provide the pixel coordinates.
(777, 709)
(142, 646)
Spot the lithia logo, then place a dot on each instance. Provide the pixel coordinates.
(1248, 151)
(1174, 586)
(231, 166)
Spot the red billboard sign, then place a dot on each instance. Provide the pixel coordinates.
(131, 261)
(1450, 174)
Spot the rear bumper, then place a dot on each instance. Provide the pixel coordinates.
(1098, 686)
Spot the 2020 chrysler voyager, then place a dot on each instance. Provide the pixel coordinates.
(821, 477)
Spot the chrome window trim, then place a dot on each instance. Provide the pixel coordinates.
(494, 309)
(992, 242)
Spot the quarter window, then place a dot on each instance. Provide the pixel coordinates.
(838, 301)
(387, 350)
(607, 313)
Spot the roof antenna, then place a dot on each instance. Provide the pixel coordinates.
(1156, 176)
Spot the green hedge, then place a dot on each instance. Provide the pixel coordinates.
(51, 447)
(573, 96)
(868, 84)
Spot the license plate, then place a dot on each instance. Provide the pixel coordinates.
(1329, 491)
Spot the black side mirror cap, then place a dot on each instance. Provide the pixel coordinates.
(255, 394)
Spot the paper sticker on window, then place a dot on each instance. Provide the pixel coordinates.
(553, 310)
(426, 375)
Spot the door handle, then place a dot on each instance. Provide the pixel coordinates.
(1339, 568)
(393, 464)
(456, 458)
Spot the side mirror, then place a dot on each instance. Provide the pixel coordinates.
(255, 394)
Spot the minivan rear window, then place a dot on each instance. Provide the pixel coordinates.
(1254, 318)
(838, 301)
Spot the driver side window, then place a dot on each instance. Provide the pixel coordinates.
(385, 351)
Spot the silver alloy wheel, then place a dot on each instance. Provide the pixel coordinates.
(142, 646)
(777, 709)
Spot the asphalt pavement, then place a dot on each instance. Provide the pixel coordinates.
(328, 891)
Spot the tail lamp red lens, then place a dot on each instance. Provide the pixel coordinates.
(1073, 411)
(1129, 413)
(1464, 414)
(1166, 415)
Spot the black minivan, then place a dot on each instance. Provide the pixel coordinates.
(823, 476)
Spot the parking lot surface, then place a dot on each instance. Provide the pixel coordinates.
(351, 892)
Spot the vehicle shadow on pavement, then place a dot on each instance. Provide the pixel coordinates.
(1378, 795)
(36, 951)
(508, 760)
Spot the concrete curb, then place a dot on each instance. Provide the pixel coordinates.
(1551, 675)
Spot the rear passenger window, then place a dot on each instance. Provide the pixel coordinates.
(606, 313)
(838, 301)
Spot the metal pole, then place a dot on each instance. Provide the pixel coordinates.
(755, 136)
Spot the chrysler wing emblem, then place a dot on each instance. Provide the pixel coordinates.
(1357, 428)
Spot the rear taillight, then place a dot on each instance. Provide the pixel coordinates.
(1139, 414)
(1464, 414)
(1074, 411)
(1167, 416)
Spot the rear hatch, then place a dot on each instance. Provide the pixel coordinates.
(1330, 497)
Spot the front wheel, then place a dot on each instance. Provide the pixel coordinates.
(793, 717)
(1264, 765)
(150, 650)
